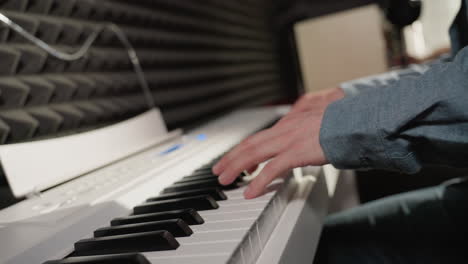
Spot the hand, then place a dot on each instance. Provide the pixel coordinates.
(317, 100)
(292, 142)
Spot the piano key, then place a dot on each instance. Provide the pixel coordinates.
(204, 169)
(211, 238)
(236, 233)
(224, 225)
(190, 216)
(206, 248)
(141, 242)
(109, 259)
(232, 215)
(201, 173)
(214, 193)
(177, 227)
(209, 165)
(199, 176)
(193, 259)
(219, 236)
(196, 178)
(196, 185)
(202, 202)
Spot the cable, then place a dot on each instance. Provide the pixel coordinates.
(83, 50)
(135, 62)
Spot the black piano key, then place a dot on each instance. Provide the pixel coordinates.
(203, 169)
(206, 166)
(215, 193)
(190, 216)
(205, 172)
(141, 242)
(179, 187)
(199, 176)
(196, 178)
(202, 202)
(108, 259)
(177, 227)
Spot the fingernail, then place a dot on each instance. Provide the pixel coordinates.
(222, 178)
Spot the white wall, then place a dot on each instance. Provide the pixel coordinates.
(340, 47)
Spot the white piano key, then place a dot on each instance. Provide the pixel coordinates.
(190, 259)
(244, 206)
(200, 249)
(224, 225)
(214, 235)
(232, 215)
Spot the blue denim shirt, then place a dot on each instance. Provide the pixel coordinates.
(406, 124)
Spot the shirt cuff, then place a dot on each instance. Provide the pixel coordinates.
(350, 134)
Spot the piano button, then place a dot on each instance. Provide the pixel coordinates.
(179, 187)
(215, 193)
(190, 216)
(202, 202)
(109, 259)
(141, 242)
(176, 227)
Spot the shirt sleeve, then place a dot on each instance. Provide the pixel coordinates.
(357, 86)
(403, 126)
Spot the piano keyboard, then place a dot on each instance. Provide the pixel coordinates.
(193, 221)
(174, 212)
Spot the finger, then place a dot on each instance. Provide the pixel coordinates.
(250, 158)
(252, 169)
(264, 137)
(274, 169)
(247, 144)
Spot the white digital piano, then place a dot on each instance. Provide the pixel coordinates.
(135, 193)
